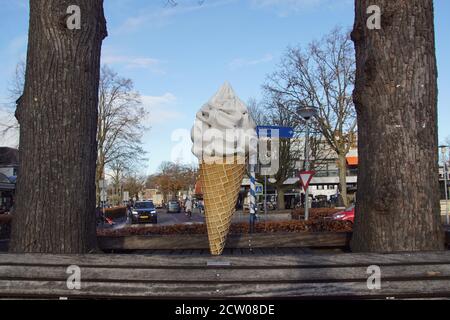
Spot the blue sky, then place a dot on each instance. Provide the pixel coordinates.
(178, 57)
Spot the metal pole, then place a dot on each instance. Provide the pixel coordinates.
(307, 167)
(265, 198)
(444, 159)
(252, 202)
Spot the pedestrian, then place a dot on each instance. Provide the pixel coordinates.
(129, 213)
(188, 207)
(201, 206)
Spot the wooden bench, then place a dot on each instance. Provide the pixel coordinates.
(243, 241)
(415, 275)
(269, 241)
(340, 240)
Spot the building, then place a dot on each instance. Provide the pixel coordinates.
(154, 195)
(9, 165)
(442, 182)
(324, 161)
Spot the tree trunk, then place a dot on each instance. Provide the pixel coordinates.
(55, 207)
(396, 101)
(99, 175)
(342, 166)
(281, 202)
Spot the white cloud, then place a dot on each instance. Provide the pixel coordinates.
(286, 7)
(158, 17)
(241, 63)
(161, 108)
(131, 62)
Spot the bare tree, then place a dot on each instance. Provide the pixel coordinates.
(120, 122)
(117, 173)
(17, 83)
(322, 76)
(120, 125)
(134, 184)
(258, 113)
(273, 111)
(172, 178)
(9, 124)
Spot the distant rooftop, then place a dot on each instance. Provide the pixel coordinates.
(9, 156)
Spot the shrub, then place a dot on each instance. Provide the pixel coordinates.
(314, 213)
(236, 228)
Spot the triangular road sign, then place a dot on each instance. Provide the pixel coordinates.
(305, 178)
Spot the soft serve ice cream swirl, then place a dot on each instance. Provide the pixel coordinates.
(223, 128)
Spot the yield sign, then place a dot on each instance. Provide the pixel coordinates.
(305, 178)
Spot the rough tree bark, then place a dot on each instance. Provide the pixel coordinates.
(281, 202)
(55, 205)
(342, 166)
(396, 101)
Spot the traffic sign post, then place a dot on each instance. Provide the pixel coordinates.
(305, 179)
(283, 132)
(252, 202)
(259, 189)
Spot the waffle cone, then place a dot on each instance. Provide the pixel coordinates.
(221, 184)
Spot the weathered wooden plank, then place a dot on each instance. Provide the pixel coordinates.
(245, 261)
(277, 275)
(317, 240)
(434, 288)
(278, 240)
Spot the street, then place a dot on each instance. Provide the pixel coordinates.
(167, 219)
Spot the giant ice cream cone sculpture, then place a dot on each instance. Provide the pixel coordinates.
(223, 136)
(221, 184)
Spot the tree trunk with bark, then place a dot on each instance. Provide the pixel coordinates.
(99, 175)
(396, 102)
(342, 166)
(55, 205)
(281, 203)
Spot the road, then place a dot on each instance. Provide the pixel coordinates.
(167, 219)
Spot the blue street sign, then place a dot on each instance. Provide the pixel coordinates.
(259, 189)
(284, 132)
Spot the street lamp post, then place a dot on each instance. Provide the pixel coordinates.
(307, 113)
(444, 160)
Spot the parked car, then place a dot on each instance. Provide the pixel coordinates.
(144, 212)
(346, 215)
(173, 206)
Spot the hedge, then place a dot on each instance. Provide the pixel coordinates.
(236, 228)
(314, 213)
